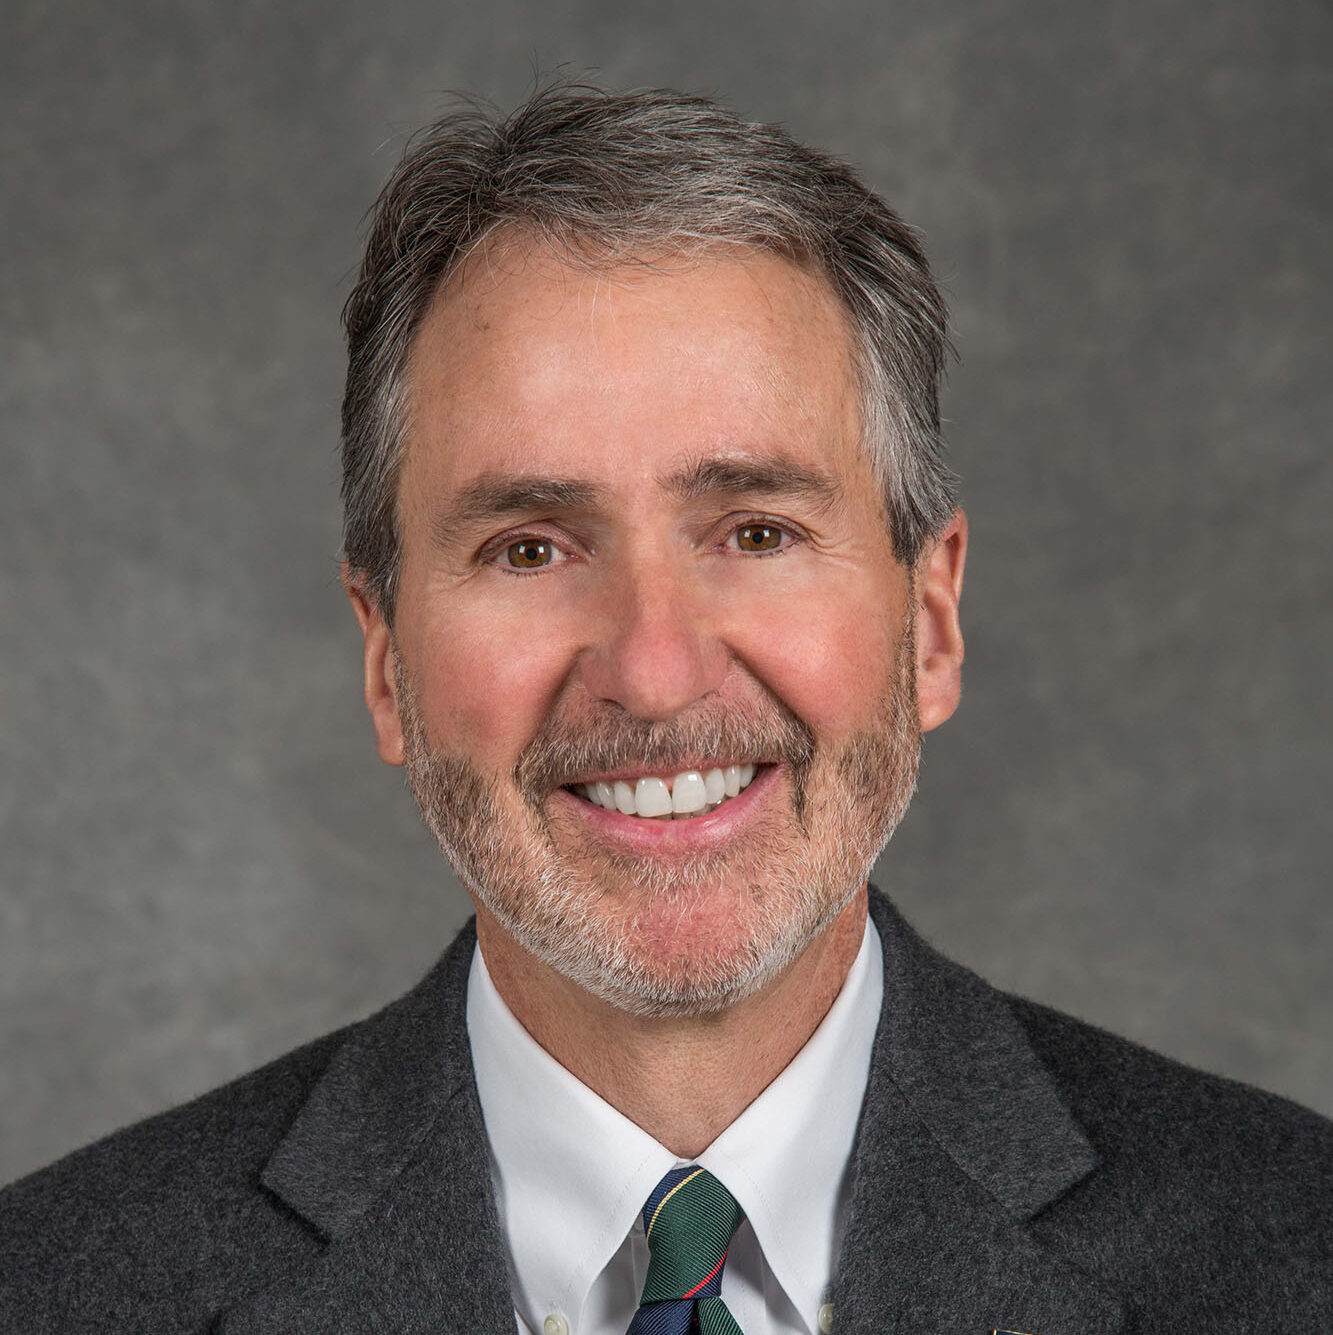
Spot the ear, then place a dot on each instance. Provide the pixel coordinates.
(939, 638)
(378, 658)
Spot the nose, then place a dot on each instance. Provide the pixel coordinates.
(657, 650)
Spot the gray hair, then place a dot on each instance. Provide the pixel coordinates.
(613, 176)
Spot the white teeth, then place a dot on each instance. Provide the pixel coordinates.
(688, 793)
(652, 797)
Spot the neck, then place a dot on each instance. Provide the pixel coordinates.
(682, 1080)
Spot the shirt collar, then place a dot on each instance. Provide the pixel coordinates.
(786, 1158)
(571, 1172)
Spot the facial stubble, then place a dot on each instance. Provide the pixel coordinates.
(607, 919)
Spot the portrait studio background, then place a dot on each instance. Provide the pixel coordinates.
(203, 863)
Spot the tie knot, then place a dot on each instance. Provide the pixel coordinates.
(689, 1220)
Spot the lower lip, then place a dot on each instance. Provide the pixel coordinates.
(661, 835)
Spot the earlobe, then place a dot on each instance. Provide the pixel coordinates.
(939, 637)
(378, 659)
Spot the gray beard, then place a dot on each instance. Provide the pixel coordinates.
(846, 807)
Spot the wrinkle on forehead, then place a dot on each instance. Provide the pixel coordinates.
(515, 251)
(746, 337)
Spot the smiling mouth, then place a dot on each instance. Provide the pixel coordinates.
(692, 792)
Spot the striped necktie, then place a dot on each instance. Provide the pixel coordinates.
(688, 1221)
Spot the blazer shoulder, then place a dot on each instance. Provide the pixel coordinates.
(1205, 1185)
(1118, 1089)
(161, 1226)
(157, 1220)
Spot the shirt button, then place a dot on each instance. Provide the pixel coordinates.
(825, 1320)
(555, 1324)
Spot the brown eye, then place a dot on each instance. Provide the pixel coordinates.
(528, 554)
(759, 538)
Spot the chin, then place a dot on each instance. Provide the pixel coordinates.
(672, 949)
(678, 982)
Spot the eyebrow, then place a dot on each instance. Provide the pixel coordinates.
(773, 476)
(497, 496)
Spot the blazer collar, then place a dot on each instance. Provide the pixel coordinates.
(963, 1140)
(388, 1162)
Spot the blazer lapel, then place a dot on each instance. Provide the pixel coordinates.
(962, 1141)
(388, 1162)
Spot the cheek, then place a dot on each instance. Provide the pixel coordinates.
(828, 659)
(487, 681)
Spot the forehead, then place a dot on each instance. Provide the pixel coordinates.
(528, 361)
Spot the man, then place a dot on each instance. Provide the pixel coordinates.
(657, 565)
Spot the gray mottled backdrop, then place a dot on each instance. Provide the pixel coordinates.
(203, 863)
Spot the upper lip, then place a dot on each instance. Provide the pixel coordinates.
(658, 771)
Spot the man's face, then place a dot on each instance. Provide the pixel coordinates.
(644, 558)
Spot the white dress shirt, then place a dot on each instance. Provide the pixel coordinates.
(571, 1174)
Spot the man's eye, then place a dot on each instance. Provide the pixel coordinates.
(759, 537)
(529, 554)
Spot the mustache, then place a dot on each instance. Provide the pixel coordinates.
(611, 739)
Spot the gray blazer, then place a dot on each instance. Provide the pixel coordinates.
(1014, 1170)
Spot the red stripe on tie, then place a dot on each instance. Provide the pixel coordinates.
(706, 1278)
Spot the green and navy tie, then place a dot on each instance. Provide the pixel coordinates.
(688, 1220)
